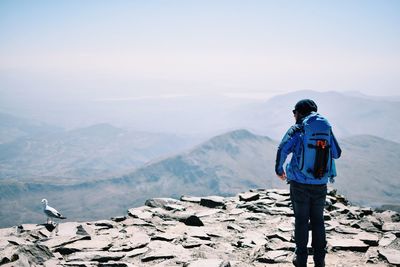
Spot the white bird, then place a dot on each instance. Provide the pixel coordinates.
(51, 212)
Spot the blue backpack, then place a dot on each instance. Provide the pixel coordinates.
(316, 159)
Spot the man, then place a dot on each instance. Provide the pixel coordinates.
(311, 142)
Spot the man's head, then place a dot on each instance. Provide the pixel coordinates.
(303, 108)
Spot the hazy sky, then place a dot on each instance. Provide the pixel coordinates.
(125, 49)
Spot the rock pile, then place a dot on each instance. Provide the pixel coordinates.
(252, 229)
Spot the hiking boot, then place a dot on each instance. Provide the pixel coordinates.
(297, 263)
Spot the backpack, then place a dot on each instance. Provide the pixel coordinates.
(316, 159)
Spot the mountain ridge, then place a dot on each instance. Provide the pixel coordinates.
(224, 165)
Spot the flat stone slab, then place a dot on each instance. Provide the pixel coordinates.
(275, 244)
(174, 207)
(348, 244)
(287, 237)
(235, 227)
(194, 243)
(208, 263)
(161, 202)
(368, 238)
(98, 256)
(236, 212)
(394, 226)
(59, 241)
(387, 239)
(279, 211)
(96, 243)
(197, 232)
(136, 252)
(208, 212)
(347, 230)
(391, 255)
(191, 199)
(165, 237)
(212, 201)
(163, 250)
(277, 197)
(248, 196)
(140, 214)
(278, 256)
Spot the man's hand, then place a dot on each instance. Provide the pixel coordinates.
(282, 176)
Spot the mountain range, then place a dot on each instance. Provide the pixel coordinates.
(224, 165)
(349, 114)
(93, 152)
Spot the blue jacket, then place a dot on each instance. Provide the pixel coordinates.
(292, 143)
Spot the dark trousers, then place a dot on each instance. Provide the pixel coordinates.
(308, 203)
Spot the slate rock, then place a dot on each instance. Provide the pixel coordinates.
(196, 232)
(104, 224)
(97, 243)
(35, 253)
(283, 211)
(347, 230)
(208, 263)
(161, 202)
(338, 243)
(287, 237)
(235, 227)
(388, 216)
(161, 250)
(372, 255)
(366, 212)
(115, 264)
(8, 255)
(341, 208)
(118, 218)
(60, 241)
(17, 241)
(174, 207)
(192, 220)
(277, 197)
(387, 239)
(368, 238)
(194, 243)
(136, 252)
(394, 226)
(190, 199)
(97, 256)
(391, 255)
(165, 237)
(248, 196)
(278, 256)
(213, 202)
(80, 230)
(277, 244)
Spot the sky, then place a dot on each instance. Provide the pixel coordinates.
(55, 51)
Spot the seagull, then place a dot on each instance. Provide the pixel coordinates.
(51, 212)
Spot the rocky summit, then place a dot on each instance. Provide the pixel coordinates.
(254, 228)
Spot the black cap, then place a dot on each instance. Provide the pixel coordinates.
(305, 106)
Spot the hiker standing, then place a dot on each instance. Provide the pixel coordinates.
(314, 148)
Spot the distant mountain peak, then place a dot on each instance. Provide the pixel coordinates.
(100, 128)
(241, 134)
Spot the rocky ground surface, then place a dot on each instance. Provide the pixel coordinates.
(251, 229)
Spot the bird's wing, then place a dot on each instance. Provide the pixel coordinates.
(52, 212)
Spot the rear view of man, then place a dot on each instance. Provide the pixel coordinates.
(314, 148)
